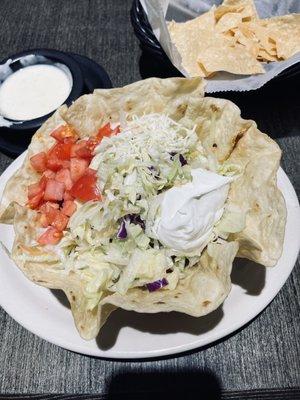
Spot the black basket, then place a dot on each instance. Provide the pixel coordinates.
(151, 45)
(154, 60)
(144, 32)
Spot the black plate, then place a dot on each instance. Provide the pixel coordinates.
(13, 147)
(94, 77)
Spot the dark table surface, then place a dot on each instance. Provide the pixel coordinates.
(263, 355)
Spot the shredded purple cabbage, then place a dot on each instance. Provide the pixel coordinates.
(153, 286)
(135, 219)
(154, 171)
(122, 232)
(182, 160)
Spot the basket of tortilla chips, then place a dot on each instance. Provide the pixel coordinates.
(230, 45)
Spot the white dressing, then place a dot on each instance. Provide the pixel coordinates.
(33, 91)
(189, 212)
(4, 122)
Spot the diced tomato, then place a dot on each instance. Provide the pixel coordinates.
(51, 214)
(43, 182)
(78, 145)
(62, 132)
(91, 144)
(85, 188)
(54, 164)
(57, 219)
(85, 152)
(44, 220)
(106, 131)
(65, 164)
(54, 190)
(36, 200)
(34, 190)
(115, 131)
(44, 208)
(60, 222)
(62, 151)
(84, 148)
(77, 168)
(50, 236)
(49, 174)
(69, 207)
(71, 140)
(39, 161)
(64, 176)
(91, 172)
(67, 196)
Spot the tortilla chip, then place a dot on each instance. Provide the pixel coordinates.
(228, 21)
(191, 37)
(246, 8)
(226, 138)
(206, 47)
(221, 55)
(251, 45)
(260, 33)
(286, 33)
(204, 52)
(263, 55)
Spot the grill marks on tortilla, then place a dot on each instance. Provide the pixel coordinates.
(181, 109)
(237, 139)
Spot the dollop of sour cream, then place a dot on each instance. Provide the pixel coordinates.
(33, 91)
(189, 212)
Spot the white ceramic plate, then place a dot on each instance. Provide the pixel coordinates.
(131, 335)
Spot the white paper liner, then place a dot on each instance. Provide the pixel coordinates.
(158, 12)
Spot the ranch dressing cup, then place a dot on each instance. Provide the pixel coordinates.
(33, 84)
(34, 91)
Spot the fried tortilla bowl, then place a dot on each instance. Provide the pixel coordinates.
(225, 137)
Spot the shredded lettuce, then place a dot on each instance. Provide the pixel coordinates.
(151, 154)
(144, 266)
